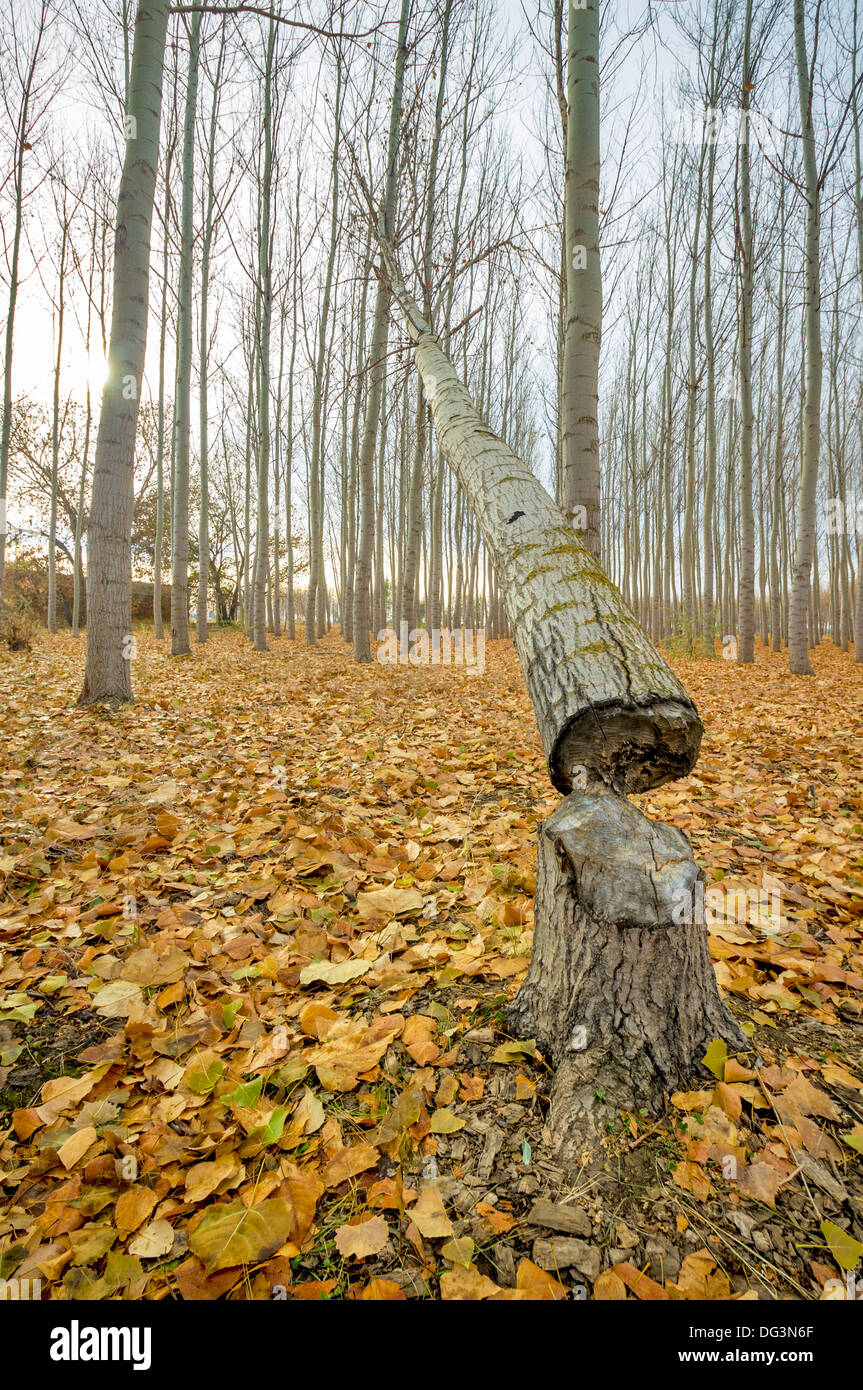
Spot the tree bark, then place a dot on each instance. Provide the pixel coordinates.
(180, 641)
(109, 558)
(583, 325)
(377, 353)
(621, 963)
(798, 651)
(264, 320)
(621, 995)
(209, 197)
(746, 592)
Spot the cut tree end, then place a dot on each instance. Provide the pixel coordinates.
(630, 749)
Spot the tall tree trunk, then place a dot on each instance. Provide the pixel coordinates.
(798, 651)
(779, 441)
(708, 620)
(180, 643)
(109, 559)
(55, 427)
(858, 214)
(203, 355)
(265, 301)
(746, 599)
(21, 138)
(689, 597)
(316, 566)
(377, 370)
(583, 330)
(160, 411)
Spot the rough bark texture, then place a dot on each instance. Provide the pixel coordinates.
(621, 995)
(606, 702)
(607, 705)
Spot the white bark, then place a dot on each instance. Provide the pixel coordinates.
(605, 700)
(746, 599)
(798, 647)
(180, 644)
(583, 324)
(621, 967)
(109, 566)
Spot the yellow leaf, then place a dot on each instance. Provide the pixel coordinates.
(133, 1206)
(202, 1179)
(459, 1252)
(609, 1287)
(715, 1057)
(383, 1291)
(429, 1215)
(388, 902)
(154, 1241)
(691, 1100)
(230, 1234)
(445, 1122)
(76, 1146)
(466, 1285)
(330, 973)
(347, 1163)
(845, 1250)
(537, 1284)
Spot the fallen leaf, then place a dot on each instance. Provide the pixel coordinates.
(154, 1241)
(366, 1237)
(429, 1215)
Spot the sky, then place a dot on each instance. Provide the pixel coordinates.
(33, 365)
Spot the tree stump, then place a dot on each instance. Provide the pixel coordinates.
(621, 995)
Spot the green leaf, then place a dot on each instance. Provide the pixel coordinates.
(247, 1094)
(246, 972)
(230, 1011)
(205, 1078)
(22, 1014)
(272, 1131)
(10, 1258)
(52, 983)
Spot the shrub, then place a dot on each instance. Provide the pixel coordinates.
(17, 625)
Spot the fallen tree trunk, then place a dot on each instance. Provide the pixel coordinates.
(608, 707)
(621, 995)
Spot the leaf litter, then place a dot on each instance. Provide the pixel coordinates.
(256, 936)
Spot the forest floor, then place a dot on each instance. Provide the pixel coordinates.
(256, 934)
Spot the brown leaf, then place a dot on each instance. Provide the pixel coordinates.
(366, 1236)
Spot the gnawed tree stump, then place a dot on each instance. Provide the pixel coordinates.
(621, 995)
